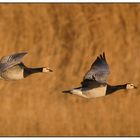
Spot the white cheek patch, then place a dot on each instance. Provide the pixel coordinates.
(45, 70)
(130, 86)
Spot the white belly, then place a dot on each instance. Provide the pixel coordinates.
(92, 93)
(96, 92)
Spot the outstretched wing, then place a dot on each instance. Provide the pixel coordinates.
(9, 61)
(99, 70)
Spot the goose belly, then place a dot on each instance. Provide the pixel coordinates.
(96, 92)
(13, 73)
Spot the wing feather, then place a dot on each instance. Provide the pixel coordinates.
(9, 61)
(99, 70)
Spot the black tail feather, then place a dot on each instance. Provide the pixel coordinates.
(67, 91)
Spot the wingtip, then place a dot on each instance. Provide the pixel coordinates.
(104, 55)
(22, 53)
(101, 56)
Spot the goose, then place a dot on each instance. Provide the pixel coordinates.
(95, 84)
(12, 67)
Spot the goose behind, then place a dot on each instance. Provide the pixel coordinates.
(12, 67)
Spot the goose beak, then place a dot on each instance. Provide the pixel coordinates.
(49, 70)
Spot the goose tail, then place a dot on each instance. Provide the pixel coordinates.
(66, 91)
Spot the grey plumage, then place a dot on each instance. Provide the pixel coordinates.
(12, 67)
(9, 61)
(99, 70)
(97, 75)
(94, 83)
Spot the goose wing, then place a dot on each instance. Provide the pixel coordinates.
(9, 61)
(99, 70)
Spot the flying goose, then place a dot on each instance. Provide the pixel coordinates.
(12, 68)
(94, 83)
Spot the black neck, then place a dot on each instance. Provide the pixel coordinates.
(111, 89)
(29, 71)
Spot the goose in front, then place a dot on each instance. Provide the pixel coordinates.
(94, 83)
(12, 67)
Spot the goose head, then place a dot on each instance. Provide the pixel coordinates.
(46, 70)
(130, 86)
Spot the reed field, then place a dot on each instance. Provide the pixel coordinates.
(68, 38)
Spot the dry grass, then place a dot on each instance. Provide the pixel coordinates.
(67, 38)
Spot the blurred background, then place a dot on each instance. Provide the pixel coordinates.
(68, 38)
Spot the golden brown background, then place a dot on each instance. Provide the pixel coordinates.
(67, 38)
